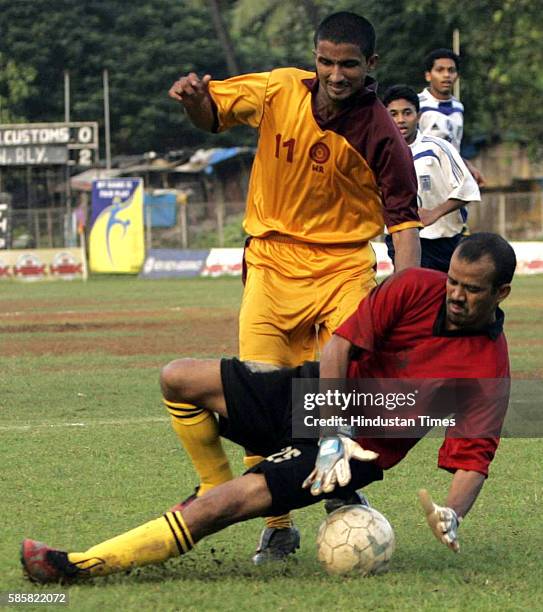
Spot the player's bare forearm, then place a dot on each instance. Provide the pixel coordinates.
(407, 249)
(464, 490)
(476, 173)
(332, 372)
(431, 215)
(193, 93)
(202, 116)
(334, 358)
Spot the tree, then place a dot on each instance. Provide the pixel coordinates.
(224, 36)
(145, 46)
(16, 86)
(501, 51)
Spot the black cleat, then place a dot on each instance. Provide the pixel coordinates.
(356, 498)
(276, 544)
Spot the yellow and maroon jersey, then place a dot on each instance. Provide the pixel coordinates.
(323, 181)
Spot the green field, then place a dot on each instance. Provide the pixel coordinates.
(87, 452)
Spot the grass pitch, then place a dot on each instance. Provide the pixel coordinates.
(87, 452)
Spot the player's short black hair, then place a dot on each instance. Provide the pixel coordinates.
(440, 54)
(472, 248)
(346, 27)
(401, 92)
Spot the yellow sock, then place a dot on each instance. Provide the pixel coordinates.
(153, 542)
(198, 430)
(279, 522)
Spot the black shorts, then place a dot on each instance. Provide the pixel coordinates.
(435, 253)
(259, 406)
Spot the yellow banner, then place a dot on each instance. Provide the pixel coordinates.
(116, 239)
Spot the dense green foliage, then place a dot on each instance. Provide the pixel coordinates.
(143, 44)
(146, 44)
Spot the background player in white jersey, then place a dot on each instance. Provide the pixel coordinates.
(445, 184)
(441, 114)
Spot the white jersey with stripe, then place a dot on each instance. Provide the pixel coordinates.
(441, 118)
(441, 175)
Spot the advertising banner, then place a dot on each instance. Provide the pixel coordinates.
(173, 263)
(229, 261)
(223, 261)
(43, 264)
(529, 257)
(4, 224)
(116, 239)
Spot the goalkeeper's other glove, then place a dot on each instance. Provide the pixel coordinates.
(443, 521)
(332, 464)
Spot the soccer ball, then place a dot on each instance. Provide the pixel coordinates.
(355, 538)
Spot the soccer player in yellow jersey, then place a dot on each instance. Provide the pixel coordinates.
(330, 171)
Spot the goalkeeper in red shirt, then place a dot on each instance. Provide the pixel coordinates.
(418, 324)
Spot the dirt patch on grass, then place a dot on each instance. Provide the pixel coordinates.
(183, 333)
(57, 328)
(526, 374)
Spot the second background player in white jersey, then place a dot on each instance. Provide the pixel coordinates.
(441, 114)
(445, 184)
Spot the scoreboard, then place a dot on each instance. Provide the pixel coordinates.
(39, 144)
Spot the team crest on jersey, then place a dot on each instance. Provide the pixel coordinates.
(319, 153)
(425, 183)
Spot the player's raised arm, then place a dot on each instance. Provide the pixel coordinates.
(193, 93)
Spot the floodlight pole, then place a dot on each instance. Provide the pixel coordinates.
(456, 49)
(68, 188)
(66, 96)
(105, 76)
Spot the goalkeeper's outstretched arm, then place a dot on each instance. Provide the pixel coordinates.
(445, 520)
(464, 490)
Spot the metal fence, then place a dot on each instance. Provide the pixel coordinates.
(198, 225)
(40, 228)
(517, 216)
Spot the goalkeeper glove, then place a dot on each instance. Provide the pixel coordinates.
(443, 521)
(332, 464)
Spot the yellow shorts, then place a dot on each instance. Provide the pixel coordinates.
(294, 289)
